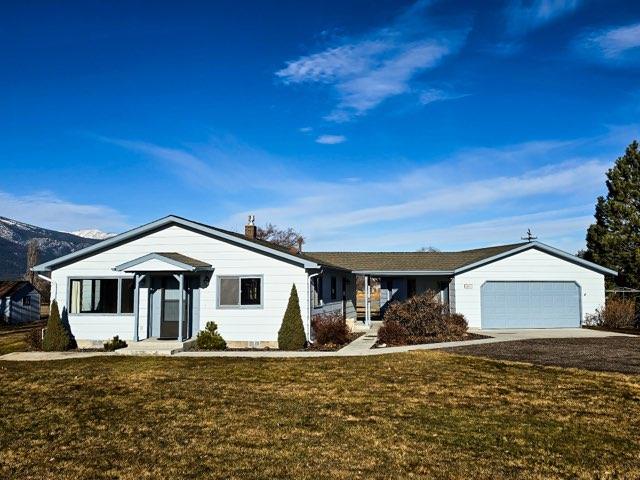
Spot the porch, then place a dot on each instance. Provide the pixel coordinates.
(172, 282)
(380, 289)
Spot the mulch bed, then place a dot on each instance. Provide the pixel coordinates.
(425, 340)
(629, 331)
(607, 354)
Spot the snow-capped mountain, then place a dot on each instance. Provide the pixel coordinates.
(93, 233)
(15, 237)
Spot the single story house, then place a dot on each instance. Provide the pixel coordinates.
(168, 278)
(19, 302)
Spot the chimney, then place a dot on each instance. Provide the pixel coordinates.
(250, 230)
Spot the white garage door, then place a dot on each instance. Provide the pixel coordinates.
(530, 305)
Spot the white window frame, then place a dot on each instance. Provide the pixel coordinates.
(239, 306)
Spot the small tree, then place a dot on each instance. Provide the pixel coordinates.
(291, 335)
(210, 338)
(57, 337)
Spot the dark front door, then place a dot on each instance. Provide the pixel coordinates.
(170, 309)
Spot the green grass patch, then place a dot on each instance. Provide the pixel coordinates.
(422, 414)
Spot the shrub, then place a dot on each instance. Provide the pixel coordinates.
(57, 337)
(616, 313)
(424, 318)
(393, 333)
(34, 339)
(291, 335)
(331, 328)
(210, 338)
(114, 344)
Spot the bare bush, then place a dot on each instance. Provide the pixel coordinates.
(616, 313)
(425, 319)
(330, 329)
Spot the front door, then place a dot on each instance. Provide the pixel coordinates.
(170, 309)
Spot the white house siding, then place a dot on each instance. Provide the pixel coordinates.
(241, 325)
(530, 265)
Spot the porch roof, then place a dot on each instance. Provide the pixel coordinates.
(409, 263)
(163, 262)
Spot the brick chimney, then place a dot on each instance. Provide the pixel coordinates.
(250, 230)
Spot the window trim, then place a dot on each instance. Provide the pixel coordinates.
(239, 306)
(333, 288)
(318, 291)
(99, 277)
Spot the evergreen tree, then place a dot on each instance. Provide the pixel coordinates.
(57, 337)
(614, 240)
(291, 335)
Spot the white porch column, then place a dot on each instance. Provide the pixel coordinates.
(136, 307)
(181, 313)
(367, 301)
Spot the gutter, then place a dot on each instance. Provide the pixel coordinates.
(54, 286)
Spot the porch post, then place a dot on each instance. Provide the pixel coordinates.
(181, 313)
(136, 307)
(367, 301)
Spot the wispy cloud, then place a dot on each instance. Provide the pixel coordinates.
(619, 44)
(331, 139)
(436, 95)
(471, 186)
(522, 17)
(222, 163)
(45, 209)
(381, 64)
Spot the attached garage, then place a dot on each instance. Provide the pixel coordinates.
(528, 304)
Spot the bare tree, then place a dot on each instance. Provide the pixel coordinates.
(428, 249)
(33, 253)
(288, 238)
(33, 256)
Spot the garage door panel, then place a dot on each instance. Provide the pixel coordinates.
(530, 304)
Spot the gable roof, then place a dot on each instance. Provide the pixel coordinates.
(444, 263)
(173, 260)
(9, 287)
(260, 246)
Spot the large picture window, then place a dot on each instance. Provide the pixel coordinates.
(240, 292)
(100, 295)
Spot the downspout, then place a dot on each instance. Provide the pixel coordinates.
(309, 302)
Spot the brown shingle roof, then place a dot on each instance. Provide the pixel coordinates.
(178, 257)
(8, 287)
(408, 261)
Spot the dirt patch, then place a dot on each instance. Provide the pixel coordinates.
(608, 354)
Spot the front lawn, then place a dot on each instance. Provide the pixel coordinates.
(13, 338)
(421, 414)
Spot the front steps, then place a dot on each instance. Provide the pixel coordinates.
(155, 346)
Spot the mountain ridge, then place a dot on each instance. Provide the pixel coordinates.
(14, 240)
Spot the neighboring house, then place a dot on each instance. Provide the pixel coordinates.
(168, 278)
(19, 302)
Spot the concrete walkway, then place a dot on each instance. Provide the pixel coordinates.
(362, 346)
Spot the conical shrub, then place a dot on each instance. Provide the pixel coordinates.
(57, 337)
(291, 335)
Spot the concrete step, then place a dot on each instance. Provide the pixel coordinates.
(156, 347)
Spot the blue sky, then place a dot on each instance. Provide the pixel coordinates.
(445, 123)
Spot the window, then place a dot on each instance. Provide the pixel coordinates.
(26, 301)
(411, 287)
(126, 296)
(240, 292)
(317, 288)
(334, 288)
(100, 295)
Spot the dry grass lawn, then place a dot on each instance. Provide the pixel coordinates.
(423, 414)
